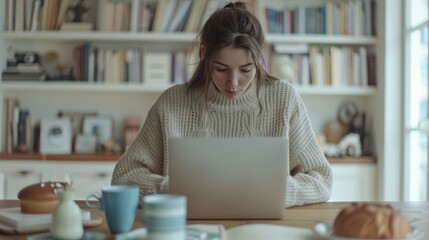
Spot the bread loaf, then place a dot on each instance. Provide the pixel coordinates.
(40, 197)
(371, 220)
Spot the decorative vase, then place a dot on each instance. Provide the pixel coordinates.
(66, 218)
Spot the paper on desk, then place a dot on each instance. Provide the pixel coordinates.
(268, 231)
(256, 232)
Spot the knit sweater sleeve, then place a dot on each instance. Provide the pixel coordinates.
(143, 163)
(310, 179)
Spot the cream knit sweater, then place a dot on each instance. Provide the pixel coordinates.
(178, 113)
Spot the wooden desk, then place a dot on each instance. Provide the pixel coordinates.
(305, 216)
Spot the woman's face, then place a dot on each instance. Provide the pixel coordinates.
(233, 70)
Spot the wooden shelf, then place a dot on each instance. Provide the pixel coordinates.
(362, 159)
(115, 157)
(57, 36)
(72, 86)
(65, 157)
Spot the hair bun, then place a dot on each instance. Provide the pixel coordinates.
(371, 220)
(238, 4)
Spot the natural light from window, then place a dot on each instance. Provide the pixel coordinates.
(416, 144)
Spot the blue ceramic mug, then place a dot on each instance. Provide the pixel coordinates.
(164, 216)
(119, 203)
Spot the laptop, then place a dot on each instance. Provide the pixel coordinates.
(230, 178)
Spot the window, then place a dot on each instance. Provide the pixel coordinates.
(416, 99)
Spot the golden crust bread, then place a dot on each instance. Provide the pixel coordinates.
(371, 220)
(40, 197)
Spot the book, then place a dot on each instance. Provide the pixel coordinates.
(10, 19)
(180, 15)
(6, 125)
(167, 15)
(144, 16)
(178, 67)
(23, 115)
(13, 103)
(28, 8)
(53, 9)
(159, 12)
(62, 13)
(250, 231)
(195, 15)
(363, 66)
(157, 68)
(19, 15)
(371, 70)
(35, 16)
(13, 217)
(134, 16)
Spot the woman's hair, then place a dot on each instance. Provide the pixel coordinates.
(232, 26)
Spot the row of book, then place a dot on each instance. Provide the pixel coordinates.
(346, 17)
(109, 15)
(131, 65)
(324, 65)
(300, 64)
(156, 16)
(35, 15)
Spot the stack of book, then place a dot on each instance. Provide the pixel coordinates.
(24, 72)
(13, 218)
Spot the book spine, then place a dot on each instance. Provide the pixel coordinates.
(22, 121)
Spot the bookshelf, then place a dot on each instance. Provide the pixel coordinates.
(119, 100)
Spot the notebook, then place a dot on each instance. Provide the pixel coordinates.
(230, 178)
(13, 217)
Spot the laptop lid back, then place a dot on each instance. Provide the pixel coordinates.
(230, 178)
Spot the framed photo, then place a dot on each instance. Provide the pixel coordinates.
(56, 136)
(85, 143)
(100, 126)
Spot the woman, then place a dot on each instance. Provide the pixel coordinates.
(229, 95)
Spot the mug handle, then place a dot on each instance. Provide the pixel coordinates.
(90, 205)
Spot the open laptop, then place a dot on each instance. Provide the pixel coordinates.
(230, 178)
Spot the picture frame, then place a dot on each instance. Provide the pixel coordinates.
(85, 143)
(55, 136)
(100, 126)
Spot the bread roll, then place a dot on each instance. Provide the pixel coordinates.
(40, 197)
(370, 220)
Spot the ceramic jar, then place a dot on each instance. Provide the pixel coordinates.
(66, 218)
